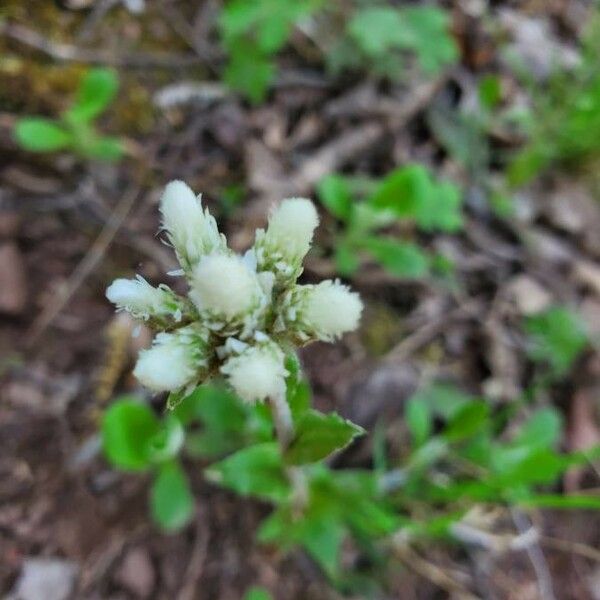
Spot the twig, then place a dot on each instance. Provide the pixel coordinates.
(195, 565)
(69, 53)
(89, 262)
(536, 556)
(430, 571)
(571, 547)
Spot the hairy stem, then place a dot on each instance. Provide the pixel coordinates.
(282, 417)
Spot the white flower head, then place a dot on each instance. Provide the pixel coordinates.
(224, 286)
(323, 312)
(143, 300)
(192, 231)
(288, 237)
(174, 361)
(257, 373)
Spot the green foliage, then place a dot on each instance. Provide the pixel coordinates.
(557, 337)
(408, 194)
(74, 130)
(563, 126)
(253, 32)
(377, 38)
(378, 31)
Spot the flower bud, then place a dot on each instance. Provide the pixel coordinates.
(288, 237)
(144, 301)
(174, 361)
(323, 312)
(332, 309)
(192, 231)
(257, 373)
(224, 286)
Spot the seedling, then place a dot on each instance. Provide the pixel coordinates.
(75, 130)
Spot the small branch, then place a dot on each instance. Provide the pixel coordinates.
(69, 53)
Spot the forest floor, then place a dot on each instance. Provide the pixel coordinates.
(69, 524)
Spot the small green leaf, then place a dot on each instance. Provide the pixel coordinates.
(440, 209)
(171, 501)
(444, 400)
(254, 471)
(334, 192)
(376, 30)
(96, 91)
(542, 430)
(401, 259)
(318, 435)
(298, 390)
(402, 191)
(490, 91)
(128, 428)
(419, 421)
(249, 71)
(469, 420)
(37, 134)
(557, 337)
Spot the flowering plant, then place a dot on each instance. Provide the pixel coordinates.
(240, 323)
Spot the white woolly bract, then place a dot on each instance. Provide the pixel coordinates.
(192, 231)
(140, 298)
(257, 373)
(291, 228)
(174, 361)
(224, 285)
(331, 309)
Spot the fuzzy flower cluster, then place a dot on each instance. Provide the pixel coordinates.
(242, 314)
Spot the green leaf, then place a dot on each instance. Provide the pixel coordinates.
(419, 420)
(255, 471)
(171, 501)
(557, 337)
(444, 400)
(37, 134)
(128, 428)
(249, 71)
(542, 430)
(402, 191)
(269, 22)
(490, 91)
(440, 209)
(167, 442)
(257, 593)
(469, 420)
(108, 149)
(97, 90)
(423, 25)
(376, 30)
(334, 192)
(319, 435)
(401, 259)
(298, 391)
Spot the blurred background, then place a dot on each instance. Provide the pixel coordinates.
(453, 150)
